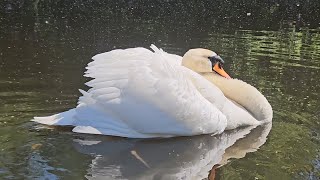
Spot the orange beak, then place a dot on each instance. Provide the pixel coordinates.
(218, 69)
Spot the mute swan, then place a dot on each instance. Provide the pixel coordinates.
(138, 93)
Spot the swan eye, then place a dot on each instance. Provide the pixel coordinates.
(216, 59)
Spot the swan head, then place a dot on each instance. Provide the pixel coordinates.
(204, 61)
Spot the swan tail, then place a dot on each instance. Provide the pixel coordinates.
(61, 119)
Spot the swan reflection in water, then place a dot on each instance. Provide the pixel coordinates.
(196, 157)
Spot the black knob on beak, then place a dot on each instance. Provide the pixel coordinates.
(215, 59)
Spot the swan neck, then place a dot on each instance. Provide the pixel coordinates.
(245, 95)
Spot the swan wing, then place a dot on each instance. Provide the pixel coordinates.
(144, 94)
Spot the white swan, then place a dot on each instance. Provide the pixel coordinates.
(138, 93)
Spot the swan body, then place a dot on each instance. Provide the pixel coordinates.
(138, 93)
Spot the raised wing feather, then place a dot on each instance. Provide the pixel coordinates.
(147, 94)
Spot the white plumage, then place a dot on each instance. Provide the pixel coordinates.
(138, 93)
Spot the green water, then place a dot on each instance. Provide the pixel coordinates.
(45, 45)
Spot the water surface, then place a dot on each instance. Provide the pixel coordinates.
(45, 45)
